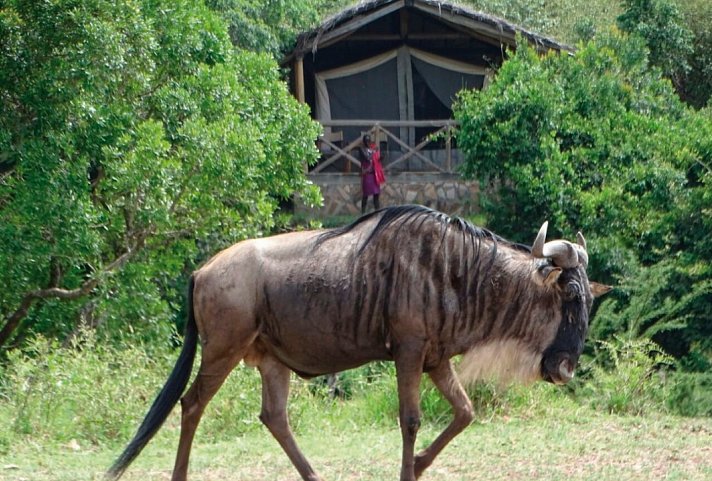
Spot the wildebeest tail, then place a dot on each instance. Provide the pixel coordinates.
(167, 398)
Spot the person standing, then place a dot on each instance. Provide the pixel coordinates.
(369, 184)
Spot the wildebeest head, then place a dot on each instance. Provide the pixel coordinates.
(563, 268)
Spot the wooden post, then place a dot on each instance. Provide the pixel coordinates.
(299, 78)
(347, 167)
(299, 87)
(404, 24)
(448, 150)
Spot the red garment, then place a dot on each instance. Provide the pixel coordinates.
(369, 184)
(378, 170)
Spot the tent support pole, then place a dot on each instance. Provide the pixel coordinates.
(299, 88)
(299, 78)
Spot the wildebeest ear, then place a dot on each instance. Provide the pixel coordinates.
(599, 289)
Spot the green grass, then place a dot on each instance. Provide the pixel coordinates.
(564, 444)
(66, 413)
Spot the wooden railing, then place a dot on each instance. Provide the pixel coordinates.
(335, 148)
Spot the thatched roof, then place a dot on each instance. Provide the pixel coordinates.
(342, 24)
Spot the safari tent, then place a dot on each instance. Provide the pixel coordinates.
(393, 68)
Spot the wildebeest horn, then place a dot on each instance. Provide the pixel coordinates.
(582, 251)
(580, 240)
(538, 245)
(562, 253)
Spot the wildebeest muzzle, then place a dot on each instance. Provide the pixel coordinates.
(558, 367)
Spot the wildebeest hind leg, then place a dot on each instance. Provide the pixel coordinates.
(214, 369)
(446, 381)
(275, 392)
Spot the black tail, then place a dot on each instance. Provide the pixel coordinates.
(167, 398)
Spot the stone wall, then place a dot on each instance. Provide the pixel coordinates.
(444, 192)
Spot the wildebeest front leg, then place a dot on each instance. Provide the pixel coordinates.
(275, 392)
(409, 370)
(446, 381)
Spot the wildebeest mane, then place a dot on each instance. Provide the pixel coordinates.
(403, 214)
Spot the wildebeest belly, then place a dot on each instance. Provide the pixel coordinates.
(312, 345)
(311, 357)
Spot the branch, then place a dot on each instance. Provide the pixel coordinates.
(703, 165)
(13, 321)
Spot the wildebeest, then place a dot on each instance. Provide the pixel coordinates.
(406, 284)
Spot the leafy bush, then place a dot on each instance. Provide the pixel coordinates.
(270, 26)
(697, 88)
(660, 23)
(690, 394)
(628, 377)
(667, 302)
(566, 20)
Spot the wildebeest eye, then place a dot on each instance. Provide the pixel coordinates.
(548, 275)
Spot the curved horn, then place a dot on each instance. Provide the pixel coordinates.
(562, 253)
(580, 240)
(581, 248)
(538, 245)
(583, 256)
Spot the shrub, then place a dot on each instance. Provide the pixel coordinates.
(627, 377)
(690, 394)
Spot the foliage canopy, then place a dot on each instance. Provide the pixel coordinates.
(129, 130)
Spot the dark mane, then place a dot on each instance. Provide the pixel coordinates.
(401, 215)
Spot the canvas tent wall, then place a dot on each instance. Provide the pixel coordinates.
(373, 27)
(401, 84)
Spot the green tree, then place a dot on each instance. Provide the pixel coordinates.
(565, 20)
(133, 140)
(660, 23)
(599, 142)
(271, 25)
(678, 33)
(696, 87)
